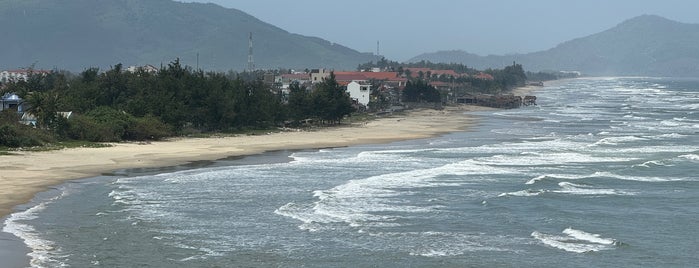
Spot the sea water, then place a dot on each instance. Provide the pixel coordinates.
(602, 173)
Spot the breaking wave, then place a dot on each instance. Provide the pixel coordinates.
(576, 241)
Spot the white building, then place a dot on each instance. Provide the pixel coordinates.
(146, 68)
(11, 101)
(360, 92)
(18, 75)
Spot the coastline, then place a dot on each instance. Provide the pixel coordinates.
(27, 173)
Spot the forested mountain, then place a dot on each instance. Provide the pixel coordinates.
(75, 34)
(646, 45)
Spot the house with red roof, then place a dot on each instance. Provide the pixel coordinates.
(484, 76)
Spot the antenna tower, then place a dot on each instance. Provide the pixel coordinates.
(251, 62)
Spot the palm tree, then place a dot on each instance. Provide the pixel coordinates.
(43, 105)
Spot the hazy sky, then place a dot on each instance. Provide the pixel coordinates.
(408, 28)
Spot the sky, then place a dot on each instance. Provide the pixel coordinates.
(405, 29)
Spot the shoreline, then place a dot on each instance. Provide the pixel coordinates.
(26, 174)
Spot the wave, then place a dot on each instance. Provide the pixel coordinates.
(692, 157)
(556, 177)
(577, 189)
(668, 136)
(567, 188)
(44, 253)
(361, 157)
(585, 236)
(651, 163)
(553, 158)
(363, 202)
(576, 241)
(523, 193)
(617, 140)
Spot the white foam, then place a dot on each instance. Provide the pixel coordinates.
(617, 140)
(522, 193)
(692, 157)
(363, 202)
(585, 236)
(43, 252)
(557, 177)
(576, 241)
(553, 158)
(637, 178)
(567, 188)
(577, 189)
(648, 164)
(669, 136)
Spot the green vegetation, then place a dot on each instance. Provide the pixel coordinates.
(328, 102)
(503, 79)
(420, 91)
(118, 106)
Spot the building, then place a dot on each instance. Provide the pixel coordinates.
(385, 79)
(360, 92)
(11, 101)
(19, 75)
(484, 76)
(145, 68)
(317, 75)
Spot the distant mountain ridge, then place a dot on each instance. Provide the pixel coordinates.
(647, 45)
(76, 34)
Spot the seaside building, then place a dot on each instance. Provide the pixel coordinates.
(317, 75)
(360, 92)
(18, 75)
(146, 68)
(11, 101)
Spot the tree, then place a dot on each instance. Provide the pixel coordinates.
(43, 105)
(420, 91)
(299, 102)
(330, 101)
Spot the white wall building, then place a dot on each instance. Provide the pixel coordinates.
(18, 75)
(361, 92)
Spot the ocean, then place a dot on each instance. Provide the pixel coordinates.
(604, 172)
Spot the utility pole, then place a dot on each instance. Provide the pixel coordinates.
(251, 62)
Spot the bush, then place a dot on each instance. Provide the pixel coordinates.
(108, 125)
(87, 128)
(17, 135)
(147, 128)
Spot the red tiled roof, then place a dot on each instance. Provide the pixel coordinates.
(484, 76)
(445, 72)
(349, 76)
(415, 71)
(389, 76)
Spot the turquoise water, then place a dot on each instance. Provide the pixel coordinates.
(602, 173)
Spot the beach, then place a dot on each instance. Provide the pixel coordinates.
(24, 174)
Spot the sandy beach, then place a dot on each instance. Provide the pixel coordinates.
(27, 173)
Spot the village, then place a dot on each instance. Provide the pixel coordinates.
(374, 89)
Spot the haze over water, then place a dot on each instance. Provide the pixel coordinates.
(602, 173)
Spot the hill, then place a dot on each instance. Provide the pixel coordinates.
(75, 34)
(646, 45)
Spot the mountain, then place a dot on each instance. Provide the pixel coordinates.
(647, 45)
(75, 34)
